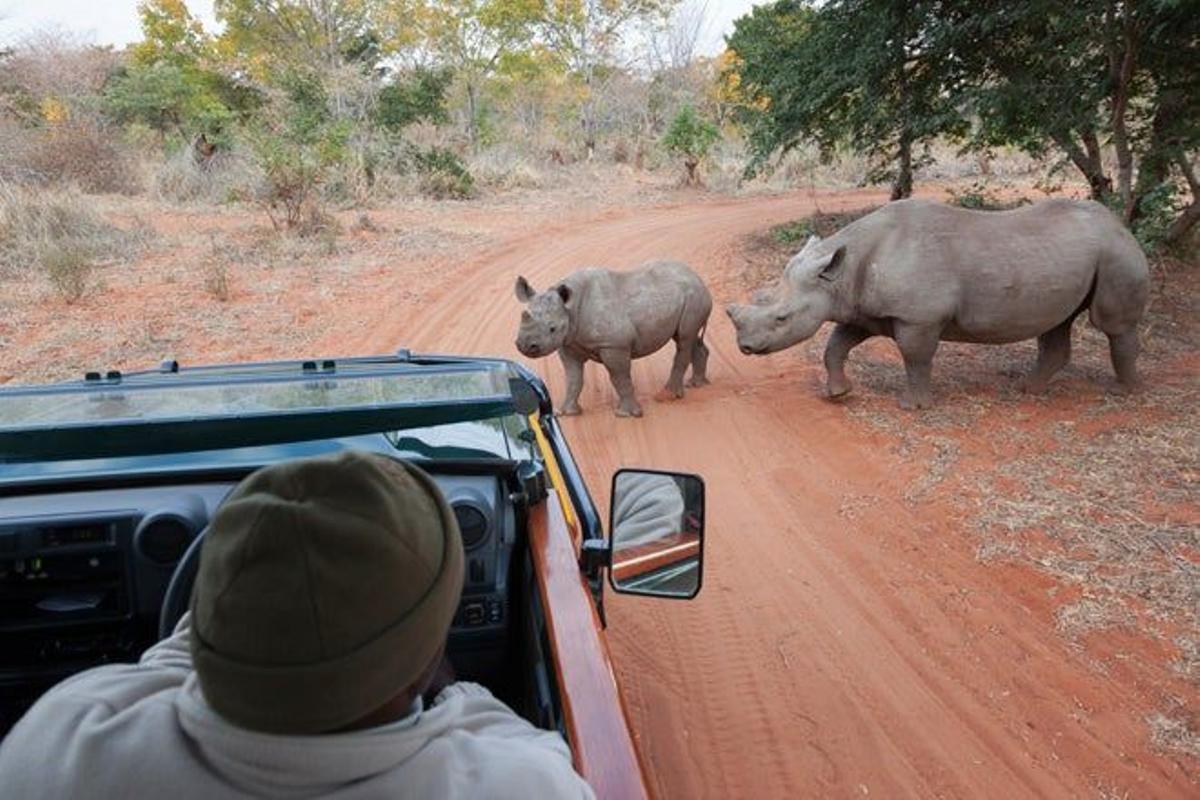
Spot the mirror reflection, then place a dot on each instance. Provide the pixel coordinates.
(657, 524)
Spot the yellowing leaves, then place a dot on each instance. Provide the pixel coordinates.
(54, 111)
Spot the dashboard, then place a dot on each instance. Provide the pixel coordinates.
(83, 575)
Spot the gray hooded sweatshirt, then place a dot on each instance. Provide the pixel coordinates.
(145, 730)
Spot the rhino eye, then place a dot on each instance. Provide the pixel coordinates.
(782, 317)
(554, 329)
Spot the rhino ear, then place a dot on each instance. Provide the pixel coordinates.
(564, 292)
(833, 266)
(523, 290)
(812, 242)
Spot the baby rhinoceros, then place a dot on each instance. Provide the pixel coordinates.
(921, 272)
(614, 317)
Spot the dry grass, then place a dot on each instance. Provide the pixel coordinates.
(226, 177)
(61, 233)
(1178, 731)
(80, 153)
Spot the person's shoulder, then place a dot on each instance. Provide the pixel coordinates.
(76, 705)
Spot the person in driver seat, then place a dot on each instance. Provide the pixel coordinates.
(318, 621)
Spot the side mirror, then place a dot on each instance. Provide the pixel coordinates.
(656, 533)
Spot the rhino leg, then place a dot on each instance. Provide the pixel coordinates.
(699, 364)
(617, 362)
(843, 339)
(1123, 348)
(917, 344)
(683, 356)
(574, 368)
(1054, 351)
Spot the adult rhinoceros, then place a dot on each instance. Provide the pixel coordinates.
(614, 317)
(921, 272)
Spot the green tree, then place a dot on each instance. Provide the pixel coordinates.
(1084, 76)
(163, 97)
(586, 35)
(417, 95)
(171, 82)
(296, 140)
(857, 73)
(471, 37)
(690, 138)
(171, 35)
(272, 36)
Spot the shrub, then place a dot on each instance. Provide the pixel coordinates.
(59, 233)
(296, 143)
(68, 265)
(443, 174)
(87, 155)
(690, 138)
(981, 197)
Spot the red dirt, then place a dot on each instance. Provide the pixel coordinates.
(846, 643)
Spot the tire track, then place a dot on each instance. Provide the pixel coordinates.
(823, 658)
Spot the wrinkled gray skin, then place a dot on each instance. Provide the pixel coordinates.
(614, 317)
(921, 272)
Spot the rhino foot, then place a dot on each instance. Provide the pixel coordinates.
(668, 394)
(837, 387)
(914, 401)
(1126, 388)
(635, 411)
(696, 382)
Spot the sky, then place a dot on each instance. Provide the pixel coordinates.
(115, 21)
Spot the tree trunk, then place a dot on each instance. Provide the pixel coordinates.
(589, 75)
(1088, 163)
(473, 115)
(1187, 220)
(902, 186)
(1121, 60)
(1155, 165)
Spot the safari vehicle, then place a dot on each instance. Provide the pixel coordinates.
(107, 485)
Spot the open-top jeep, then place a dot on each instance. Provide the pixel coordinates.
(107, 485)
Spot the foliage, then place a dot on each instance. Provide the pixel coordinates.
(443, 174)
(585, 36)
(419, 96)
(859, 73)
(168, 99)
(1079, 77)
(470, 37)
(981, 197)
(296, 142)
(690, 137)
(270, 37)
(170, 35)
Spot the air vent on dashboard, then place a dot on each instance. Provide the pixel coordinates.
(164, 538)
(473, 523)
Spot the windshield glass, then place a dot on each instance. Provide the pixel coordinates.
(214, 396)
(182, 412)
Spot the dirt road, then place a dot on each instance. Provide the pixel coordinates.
(844, 645)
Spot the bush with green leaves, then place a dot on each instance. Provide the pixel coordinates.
(690, 137)
(295, 143)
(443, 174)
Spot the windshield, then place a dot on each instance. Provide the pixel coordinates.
(216, 396)
(182, 411)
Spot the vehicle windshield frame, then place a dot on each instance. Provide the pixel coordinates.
(485, 392)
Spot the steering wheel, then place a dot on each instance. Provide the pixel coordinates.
(179, 590)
